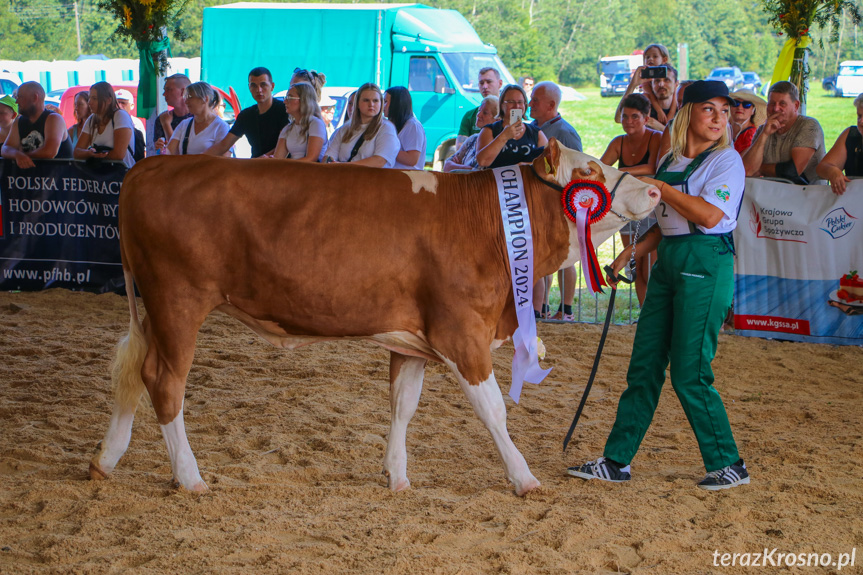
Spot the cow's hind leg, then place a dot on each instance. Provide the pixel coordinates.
(128, 388)
(487, 402)
(406, 382)
(165, 369)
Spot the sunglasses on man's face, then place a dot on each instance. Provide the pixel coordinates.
(746, 105)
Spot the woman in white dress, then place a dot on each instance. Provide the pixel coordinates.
(107, 132)
(368, 139)
(195, 135)
(305, 137)
(398, 108)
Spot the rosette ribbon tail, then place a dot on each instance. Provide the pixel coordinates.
(585, 202)
(589, 263)
(147, 73)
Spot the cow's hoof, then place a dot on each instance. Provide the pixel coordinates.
(199, 487)
(397, 485)
(526, 487)
(96, 473)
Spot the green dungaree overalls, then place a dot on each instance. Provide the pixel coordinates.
(688, 296)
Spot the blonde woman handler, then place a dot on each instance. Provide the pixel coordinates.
(688, 296)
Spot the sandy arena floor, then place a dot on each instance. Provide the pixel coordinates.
(291, 445)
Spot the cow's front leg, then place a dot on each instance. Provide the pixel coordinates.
(487, 402)
(406, 383)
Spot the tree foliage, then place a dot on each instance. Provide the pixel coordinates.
(548, 39)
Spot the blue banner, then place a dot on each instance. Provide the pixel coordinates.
(58, 226)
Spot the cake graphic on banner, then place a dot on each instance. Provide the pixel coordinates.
(851, 288)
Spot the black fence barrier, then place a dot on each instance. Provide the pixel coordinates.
(59, 226)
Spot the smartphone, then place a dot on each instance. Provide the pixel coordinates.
(515, 115)
(654, 72)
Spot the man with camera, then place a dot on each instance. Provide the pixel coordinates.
(662, 81)
(664, 89)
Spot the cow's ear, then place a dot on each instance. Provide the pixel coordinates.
(550, 159)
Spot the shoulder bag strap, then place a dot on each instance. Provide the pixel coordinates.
(185, 147)
(356, 147)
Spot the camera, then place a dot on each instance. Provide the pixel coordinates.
(515, 115)
(654, 72)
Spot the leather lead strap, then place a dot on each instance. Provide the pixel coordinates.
(598, 356)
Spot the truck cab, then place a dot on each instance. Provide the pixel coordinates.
(437, 55)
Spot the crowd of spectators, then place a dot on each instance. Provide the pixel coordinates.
(511, 125)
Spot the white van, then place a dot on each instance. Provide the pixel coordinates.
(849, 81)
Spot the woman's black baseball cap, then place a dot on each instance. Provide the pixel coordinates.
(704, 90)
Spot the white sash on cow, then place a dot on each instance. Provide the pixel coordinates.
(519, 247)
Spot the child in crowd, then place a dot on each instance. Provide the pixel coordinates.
(654, 55)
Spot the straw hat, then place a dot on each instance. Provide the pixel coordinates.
(760, 105)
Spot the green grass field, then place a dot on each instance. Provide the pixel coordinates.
(594, 120)
(594, 117)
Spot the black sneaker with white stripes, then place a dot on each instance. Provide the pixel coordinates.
(726, 478)
(603, 469)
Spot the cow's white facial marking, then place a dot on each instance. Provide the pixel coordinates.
(422, 180)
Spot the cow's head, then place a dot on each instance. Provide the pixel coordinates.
(633, 199)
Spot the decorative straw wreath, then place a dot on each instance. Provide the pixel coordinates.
(145, 22)
(793, 19)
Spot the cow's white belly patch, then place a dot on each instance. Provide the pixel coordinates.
(422, 180)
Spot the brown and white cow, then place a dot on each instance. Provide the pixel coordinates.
(413, 261)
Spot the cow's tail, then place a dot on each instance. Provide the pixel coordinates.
(126, 367)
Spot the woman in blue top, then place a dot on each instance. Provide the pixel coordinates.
(506, 143)
(688, 294)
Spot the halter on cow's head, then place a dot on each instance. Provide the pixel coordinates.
(586, 200)
(631, 199)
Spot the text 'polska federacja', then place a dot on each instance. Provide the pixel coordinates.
(49, 183)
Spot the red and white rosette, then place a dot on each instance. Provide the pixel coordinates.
(585, 202)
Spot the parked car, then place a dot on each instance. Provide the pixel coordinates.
(849, 81)
(751, 82)
(617, 84)
(9, 82)
(829, 83)
(732, 76)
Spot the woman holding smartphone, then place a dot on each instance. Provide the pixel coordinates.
(510, 141)
(688, 295)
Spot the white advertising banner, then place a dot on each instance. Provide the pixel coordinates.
(799, 263)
